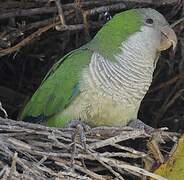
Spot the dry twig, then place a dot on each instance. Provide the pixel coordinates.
(46, 152)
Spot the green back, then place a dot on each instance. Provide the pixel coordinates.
(59, 87)
(61, 84)
(108, 40)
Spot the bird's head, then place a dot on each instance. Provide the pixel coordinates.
(145, 25)
(156, 22)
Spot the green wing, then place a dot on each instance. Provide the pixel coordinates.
(59, 87)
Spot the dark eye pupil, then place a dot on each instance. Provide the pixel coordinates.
(149, 21)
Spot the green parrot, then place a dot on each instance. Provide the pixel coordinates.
(103, 82)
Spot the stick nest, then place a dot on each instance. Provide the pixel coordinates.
(32, 151)
(33, 35)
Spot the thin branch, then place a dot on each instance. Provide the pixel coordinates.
(60, 12)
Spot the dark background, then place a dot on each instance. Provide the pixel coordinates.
(22, 67)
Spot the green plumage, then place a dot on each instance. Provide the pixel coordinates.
(59, 87)
(109, 38)
(62, 83)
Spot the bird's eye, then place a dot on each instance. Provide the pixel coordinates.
(149, 21)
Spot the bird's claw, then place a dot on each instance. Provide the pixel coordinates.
(80, 129)
(159, 135)
(138, 124)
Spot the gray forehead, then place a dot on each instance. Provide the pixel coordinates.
(153, 14)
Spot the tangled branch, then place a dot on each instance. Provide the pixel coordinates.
(35, 151)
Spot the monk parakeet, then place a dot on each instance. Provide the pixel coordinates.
(104, 81)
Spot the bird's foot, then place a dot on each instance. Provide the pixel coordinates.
(158, 134)
(138, 124)
(80, 129)
(157, 137)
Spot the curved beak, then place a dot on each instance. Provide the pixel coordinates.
(168, 38)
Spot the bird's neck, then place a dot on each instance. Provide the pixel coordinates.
(129, 77)
(135, 65)
(139, 55)
(138, 59)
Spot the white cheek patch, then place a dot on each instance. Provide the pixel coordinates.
(144, 43)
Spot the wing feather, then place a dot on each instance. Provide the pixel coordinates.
(59, 87)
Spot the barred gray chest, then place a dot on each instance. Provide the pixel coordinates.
(123, 83)
(112, 91)
(127, 79)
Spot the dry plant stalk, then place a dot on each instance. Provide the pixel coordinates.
(66, 13)
(34, 151)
